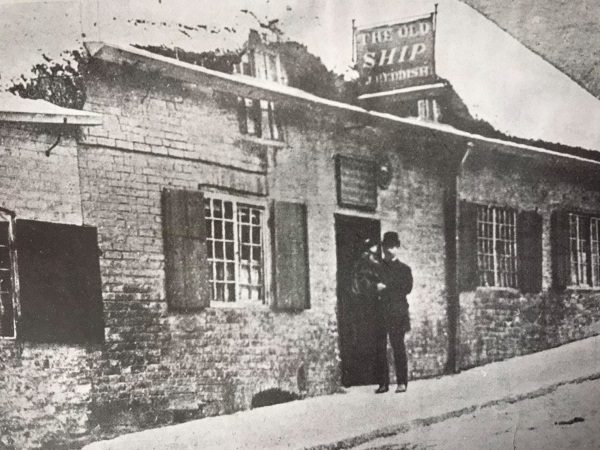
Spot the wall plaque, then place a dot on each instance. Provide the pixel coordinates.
(356, 182)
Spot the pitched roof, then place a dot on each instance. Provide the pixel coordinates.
(248, 86)
(17, 109)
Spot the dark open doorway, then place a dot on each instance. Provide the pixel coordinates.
(355, 325)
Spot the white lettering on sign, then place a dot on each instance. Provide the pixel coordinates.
(389, 56)
(379, 36)
(396, 56)
(399, 75)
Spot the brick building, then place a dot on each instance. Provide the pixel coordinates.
(192, 248)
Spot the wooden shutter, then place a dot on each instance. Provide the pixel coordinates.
(291, 278)
(467, 244)
(559, 237)
(186, 263)
(529, 249)
(60, 286)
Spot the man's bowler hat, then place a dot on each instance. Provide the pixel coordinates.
(390, 239)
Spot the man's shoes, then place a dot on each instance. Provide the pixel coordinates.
(401, 388)
(382, 389)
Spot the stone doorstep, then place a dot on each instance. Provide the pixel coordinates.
(408, 425)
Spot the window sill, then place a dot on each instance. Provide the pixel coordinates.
(238, 305)
(583, 288)
(262, 141)
(499, 290)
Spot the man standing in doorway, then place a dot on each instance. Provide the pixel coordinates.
(396, 283)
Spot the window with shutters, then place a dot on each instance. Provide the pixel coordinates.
(584, 250)
(258, 118)
(497, 246)
(236, 249)
(8, 288)
(56, 293)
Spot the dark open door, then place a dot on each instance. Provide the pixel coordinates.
(355, 320)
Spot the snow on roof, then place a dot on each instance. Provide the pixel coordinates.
(145, 60)
(499, 79)
(17, 109)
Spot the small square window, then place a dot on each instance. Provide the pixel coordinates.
(258, 118)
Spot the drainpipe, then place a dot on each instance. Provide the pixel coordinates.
(451, 229)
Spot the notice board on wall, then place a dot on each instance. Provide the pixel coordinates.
(356, 181)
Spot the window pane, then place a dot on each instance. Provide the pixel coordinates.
(4, 257)
(228, 210)
(256, 253)
(255, 235)
(218, 225)
(245, 274)
(255, 217)
(3, 231)
(217, 209)
(231, 271)
(229, 231)
(245, 253)
(229, 256)
(6, 315)
(230, 292)
(219, 250)
(245, 235)
(220, 292)
(244, 214)
(220, 275)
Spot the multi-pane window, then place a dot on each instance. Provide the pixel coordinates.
(258, 118)
(497, 246)
(268, 66)
(428, 109)
(7, 277)
(235, 250)
(584, 249)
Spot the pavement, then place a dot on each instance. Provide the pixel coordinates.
(358, 415)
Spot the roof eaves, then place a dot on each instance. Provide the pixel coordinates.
(189, 72)
(62, 119)
(24, 110)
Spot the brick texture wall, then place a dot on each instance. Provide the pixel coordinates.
(45, 390)
(499, 324)
(162, 363)
(217, 360)
(33, 185)
(158, 366)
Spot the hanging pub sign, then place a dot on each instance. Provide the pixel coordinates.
(396, 56)
(356, 182)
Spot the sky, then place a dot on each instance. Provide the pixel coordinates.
(499, 80)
